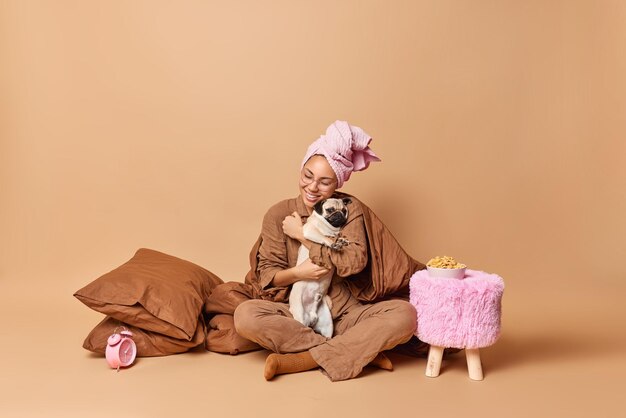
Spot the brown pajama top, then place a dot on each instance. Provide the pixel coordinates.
(361, 330)
(278, 251)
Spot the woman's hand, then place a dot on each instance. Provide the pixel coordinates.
(307, 270)
(292, 227)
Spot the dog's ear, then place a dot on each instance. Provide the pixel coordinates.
(346, 200)
(319, 207)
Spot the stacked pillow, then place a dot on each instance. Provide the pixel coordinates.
(158, 297)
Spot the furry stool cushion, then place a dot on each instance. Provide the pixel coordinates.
(460, 313)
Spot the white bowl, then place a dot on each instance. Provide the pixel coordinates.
(448, 273)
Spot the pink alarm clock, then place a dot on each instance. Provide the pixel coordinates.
(121, 349)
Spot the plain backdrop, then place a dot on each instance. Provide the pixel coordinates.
(175, 125)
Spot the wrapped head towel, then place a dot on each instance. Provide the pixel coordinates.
(346, 147)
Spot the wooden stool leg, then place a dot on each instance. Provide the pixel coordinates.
(474, 367)
(435, 354)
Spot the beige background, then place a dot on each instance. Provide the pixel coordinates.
(175, 125)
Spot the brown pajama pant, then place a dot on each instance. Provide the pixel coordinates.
(361, 331)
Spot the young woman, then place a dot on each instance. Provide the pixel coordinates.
(362, 331)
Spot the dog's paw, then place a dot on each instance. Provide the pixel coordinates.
(339, 243)
(310, 319)
(327, 332)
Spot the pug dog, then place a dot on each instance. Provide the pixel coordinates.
(308, 302)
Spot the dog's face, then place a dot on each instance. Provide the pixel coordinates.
(335, 211)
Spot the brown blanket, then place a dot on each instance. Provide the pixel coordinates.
(386, 275)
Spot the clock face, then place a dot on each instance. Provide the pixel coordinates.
(127, 352)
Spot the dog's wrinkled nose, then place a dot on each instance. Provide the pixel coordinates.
(337, 219)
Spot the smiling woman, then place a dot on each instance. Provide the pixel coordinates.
(317, 181)
(362, 331)
(315, 188)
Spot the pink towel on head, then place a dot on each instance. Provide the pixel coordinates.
(346, 147)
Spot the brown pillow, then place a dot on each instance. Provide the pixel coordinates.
(148, 343)
(153, 291)
(222, 337)
(226, 297)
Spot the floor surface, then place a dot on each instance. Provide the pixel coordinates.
(565, 360)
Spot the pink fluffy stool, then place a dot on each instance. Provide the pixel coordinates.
(460, 313)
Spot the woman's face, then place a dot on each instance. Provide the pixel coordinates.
(317, 181)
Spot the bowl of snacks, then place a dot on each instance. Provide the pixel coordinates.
(446, 267)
